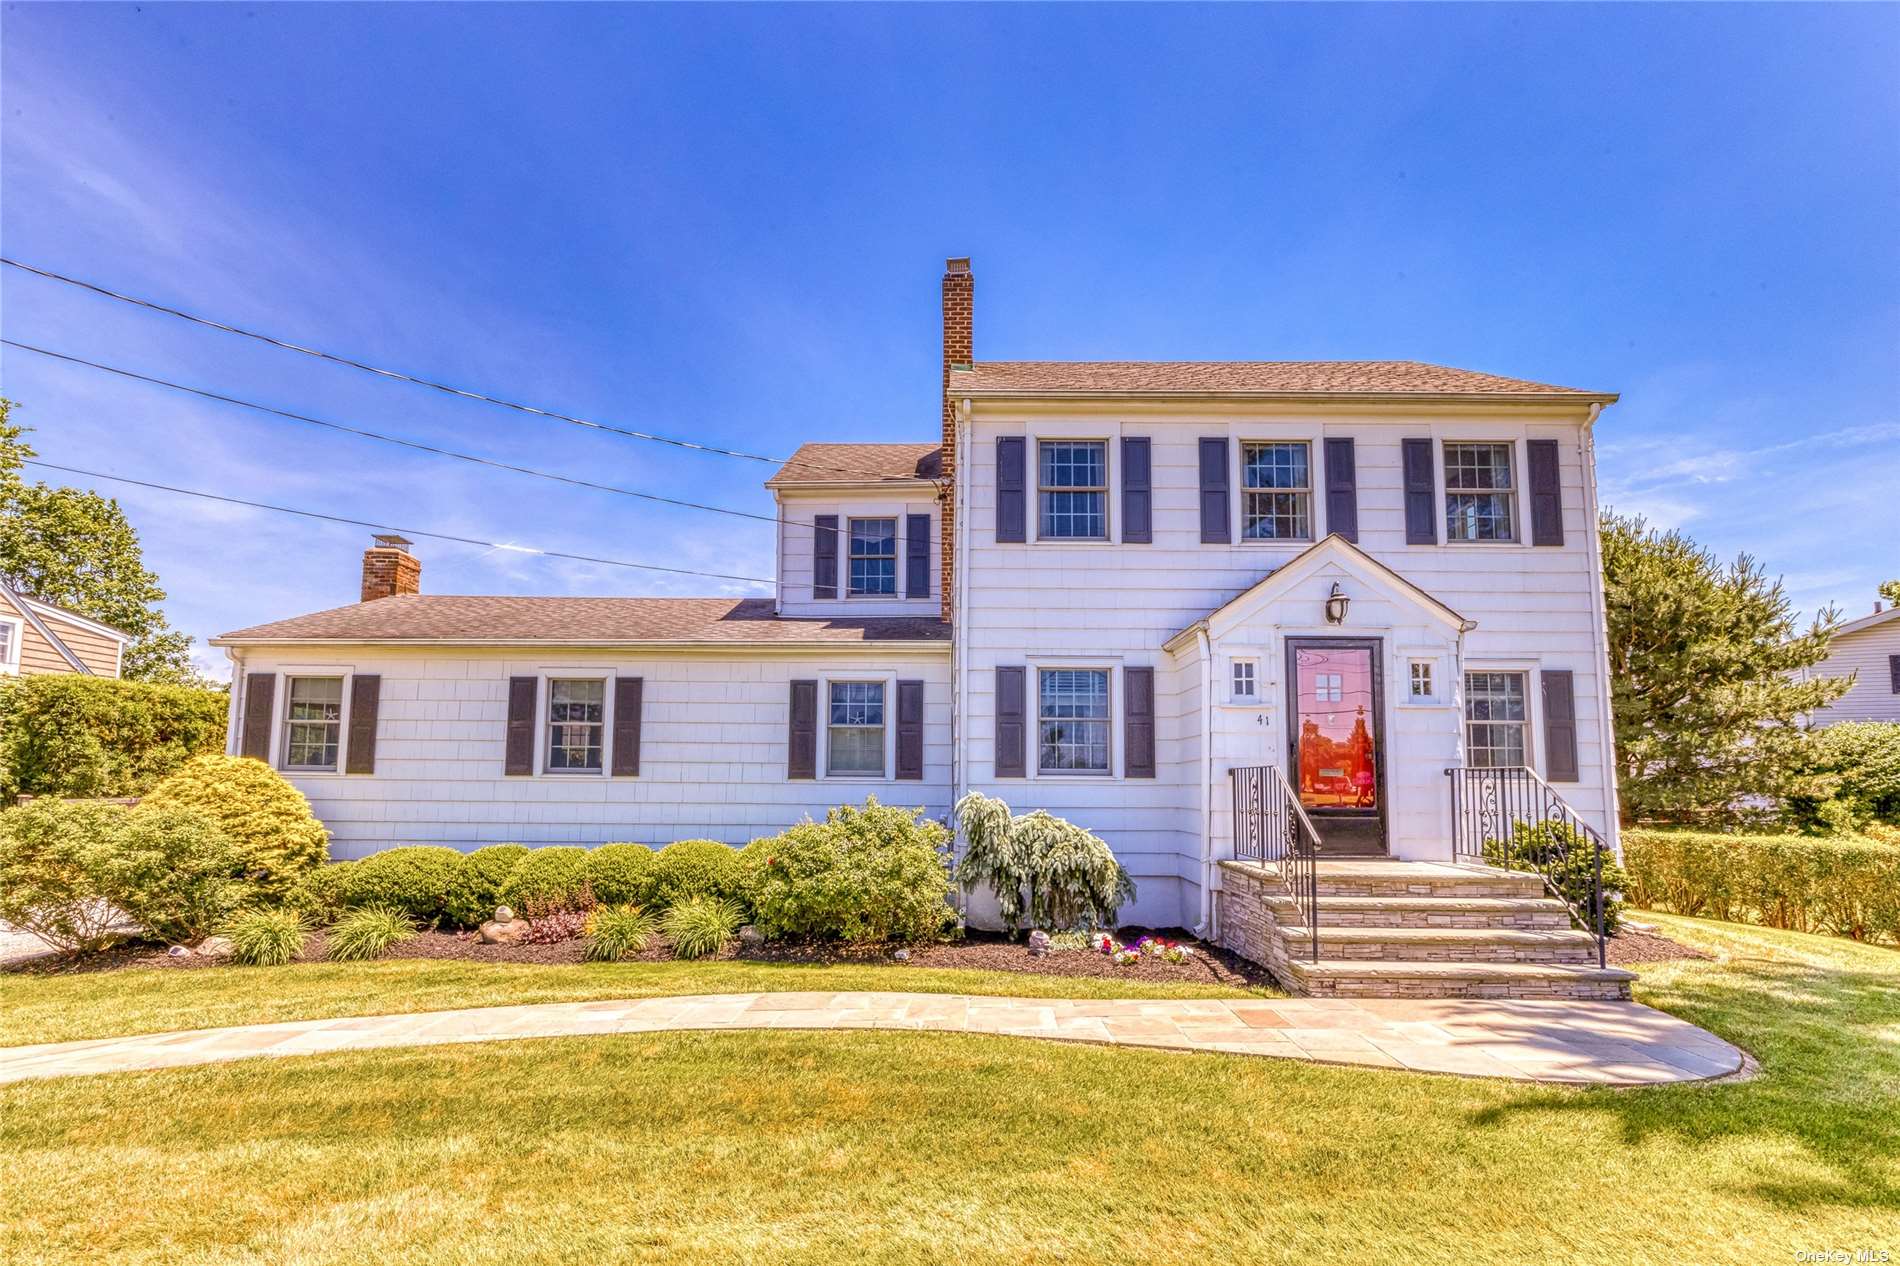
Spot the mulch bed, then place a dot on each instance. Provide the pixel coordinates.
(1631, 946)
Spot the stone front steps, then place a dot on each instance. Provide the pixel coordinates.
(1390, 929)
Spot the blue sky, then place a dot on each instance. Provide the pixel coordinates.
(729, 223)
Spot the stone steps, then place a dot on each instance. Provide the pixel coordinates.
(1458, 980)
(1444, 945)
(1431, 912)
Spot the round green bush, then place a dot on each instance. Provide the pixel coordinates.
(863, 875)
(325, 891)
(174, 872)
(278, 838)
(620, 874)
(475, 888)
(55, 871)
(414, 880)
(695, 868)
(547, 879)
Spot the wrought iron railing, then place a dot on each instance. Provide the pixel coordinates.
(1513, 819)
(1270, 825)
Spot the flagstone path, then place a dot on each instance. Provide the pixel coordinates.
(1591, 1043)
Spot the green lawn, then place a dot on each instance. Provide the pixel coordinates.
(846, 1147)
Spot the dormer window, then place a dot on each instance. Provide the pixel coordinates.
(873, 558)
(1074, 490)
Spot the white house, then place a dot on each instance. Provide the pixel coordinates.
(1868, 651)
(1103, 587)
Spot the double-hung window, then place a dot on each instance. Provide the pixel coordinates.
(1497, 720)
(854, 737)
(1480, 493)
(9, 645)
(1073, 489)
(313, 723)
(873, 558)
(1277, 482)
(576, 716)
(1072, 720)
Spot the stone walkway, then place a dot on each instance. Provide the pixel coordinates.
(1591, 1043)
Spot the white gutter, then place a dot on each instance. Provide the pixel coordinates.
(1205, 929)
(1586, 450)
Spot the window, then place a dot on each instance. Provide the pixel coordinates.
(1329, 687)
(873, 557)
(1243, 679)
(855, 734)
(1278, 484)
(313, 722)
(1496, 720)
(1480, 503)
(576, 716)
(1421, 679)
(9, 645)
(1072, 720)
(1074, 489)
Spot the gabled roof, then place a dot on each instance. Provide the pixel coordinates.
(35, 610)
(1868, 621)
(852, 464)
(1286, 379)
(439, 618)
(1336, 548)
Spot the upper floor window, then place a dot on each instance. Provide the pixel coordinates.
(313, 722)
(873, 558)
(1497, 720)
(1480, 494)
(854, 741)
(576, 717)
(1072, 721)
(1278, 492)
(1074, 489)
(9, 646)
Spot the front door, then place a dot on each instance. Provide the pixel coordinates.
(1336, 740)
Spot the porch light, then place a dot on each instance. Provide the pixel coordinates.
(1336, 604)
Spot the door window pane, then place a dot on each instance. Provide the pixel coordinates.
(1074, 489)
(1496, 720)
(576, 711)
(1480, 498)
(1279, 492)
(1335, 743)
(1072, 717)
(855, 734)
(313, 722)
(873, 557)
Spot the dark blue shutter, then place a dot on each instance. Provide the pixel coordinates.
(801, 748)
(910, 730)
(1342, 490)
(629, 694)
(1560, 725)
(1893, 670)
(1421, 493)
(1010, 722)
(518, 751)
(1138, 722)
(824, 556)
(917, 556)
(1216, 516)
(366, 696)
(1137, 492)
(260, 696)
(1547, 497)
(1011, 500)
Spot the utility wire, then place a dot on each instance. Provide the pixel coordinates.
(399, 376)
(386, 527)
(392, 439)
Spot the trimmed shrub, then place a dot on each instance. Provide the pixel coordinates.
(620, 874)
(475, 887)
(1843, 887)
(548, 879)
(325, 891)
(366, 932)
(174, 872)
(701, 925)
(617, 932)
(696, 868)
(266, 937)
(875, 873)
(414, 880)
(55, 871)
(1054, 873)
(268, 820)
(77, 736)
(1567, 858)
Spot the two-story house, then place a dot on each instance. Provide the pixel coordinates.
(1100, 591)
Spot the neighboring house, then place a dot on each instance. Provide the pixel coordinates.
(1101, 588)
(1868, 650)
(39, 637)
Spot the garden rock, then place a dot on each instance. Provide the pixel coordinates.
(215, 947)
(750, 937)
(504, 928)
(902, 956)
(1038, 943)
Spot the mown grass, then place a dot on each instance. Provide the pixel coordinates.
(898, 1147)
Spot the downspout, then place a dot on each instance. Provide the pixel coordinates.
(1206, 930)
(231, 738)
(959, 643)
(1586, 451)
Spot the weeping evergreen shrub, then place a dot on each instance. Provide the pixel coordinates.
(1043, 869)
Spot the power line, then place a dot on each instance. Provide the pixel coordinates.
(397, 440)
(399, 376)
(387, 527)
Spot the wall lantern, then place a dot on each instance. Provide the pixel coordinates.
(1336, 604)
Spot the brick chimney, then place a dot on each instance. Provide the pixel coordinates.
(959, 305)
(389, 569)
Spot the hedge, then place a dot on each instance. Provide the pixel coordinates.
(1843, 887)
(475, 887)
(81, 737)
(414, 880)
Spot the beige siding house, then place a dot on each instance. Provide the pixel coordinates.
(39, 637)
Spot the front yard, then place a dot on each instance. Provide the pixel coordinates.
(920, 1147)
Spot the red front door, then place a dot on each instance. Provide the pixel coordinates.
(1335, 726)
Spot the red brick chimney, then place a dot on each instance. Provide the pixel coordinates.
(389, 569)
(959, 311)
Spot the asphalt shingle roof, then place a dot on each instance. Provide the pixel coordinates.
(859, 464)
(1259, 377)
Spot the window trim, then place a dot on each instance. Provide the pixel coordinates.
(1307, 491)
(1112, 769)
(888, 680)
(10, 658)
(1109, 526)
(284, 720)
(544, 717)
(1511, 445)
(1533, 718)
(884, 728)
(897, 557)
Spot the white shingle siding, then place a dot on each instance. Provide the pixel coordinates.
(796, 535)
(1864, 655)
